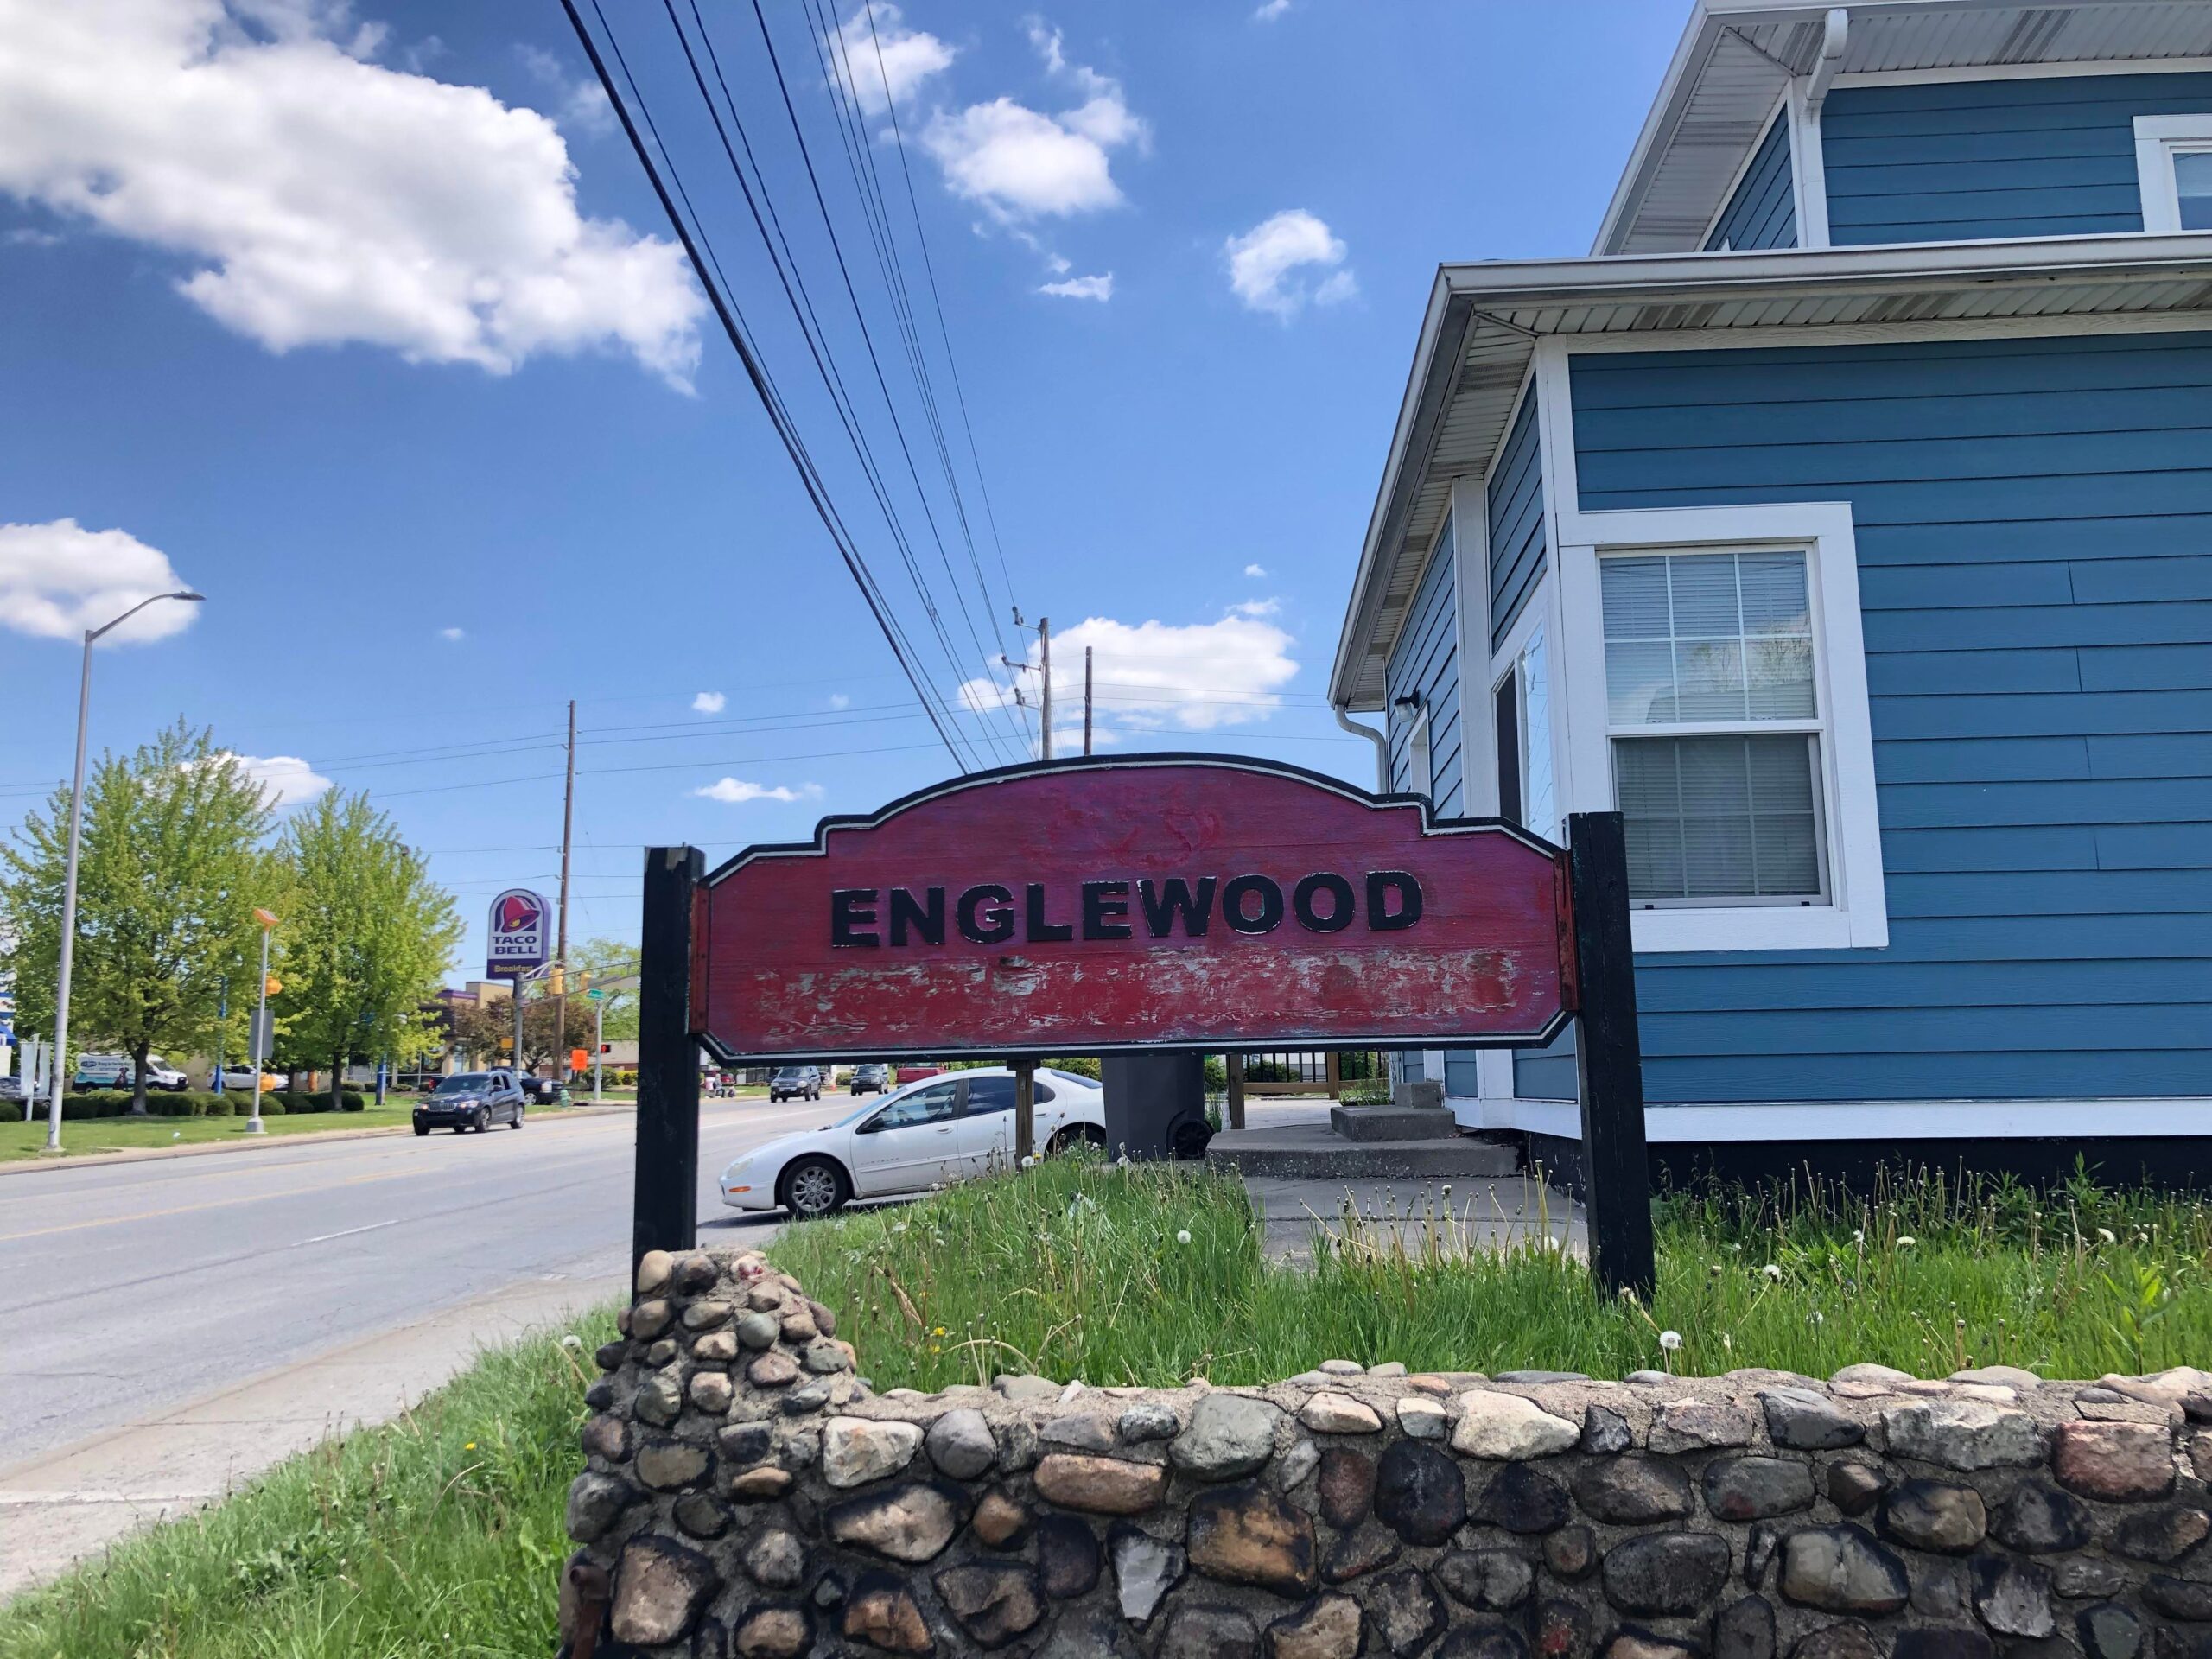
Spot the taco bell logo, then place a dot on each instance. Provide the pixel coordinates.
(517, 932)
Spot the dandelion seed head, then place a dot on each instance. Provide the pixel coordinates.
(1670, 1340)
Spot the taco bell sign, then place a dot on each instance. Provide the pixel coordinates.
(516, 934)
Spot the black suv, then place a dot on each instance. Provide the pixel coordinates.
(471, 1100)
(796, 1082)
(871, 1079)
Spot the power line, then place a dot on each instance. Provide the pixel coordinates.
(762, 387)
(801, 302)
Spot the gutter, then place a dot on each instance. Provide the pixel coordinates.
(1833, 42)
(1382, 744)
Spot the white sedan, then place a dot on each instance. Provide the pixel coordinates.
(942, 1129)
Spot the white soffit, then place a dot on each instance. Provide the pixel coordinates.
(1486, 319)
(1728, 75)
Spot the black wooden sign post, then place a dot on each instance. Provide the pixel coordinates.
(1609, 1060)
(664, 1208)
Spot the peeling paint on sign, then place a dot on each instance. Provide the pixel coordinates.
(1096, 906)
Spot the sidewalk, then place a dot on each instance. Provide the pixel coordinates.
(60, 1507)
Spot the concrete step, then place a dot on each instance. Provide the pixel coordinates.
(1392, 1122)
(1313, 1152)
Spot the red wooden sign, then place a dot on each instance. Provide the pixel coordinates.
(1090, 906)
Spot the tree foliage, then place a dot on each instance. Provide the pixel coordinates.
(169, 868)
(365, 936)
(611, 966)
(480, 1028)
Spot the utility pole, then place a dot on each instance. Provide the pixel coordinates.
(1086, 699)
(560, 950)
(1045, 644)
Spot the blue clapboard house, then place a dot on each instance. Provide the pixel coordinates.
(1845, 520)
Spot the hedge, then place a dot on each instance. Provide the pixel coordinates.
(299, 1101)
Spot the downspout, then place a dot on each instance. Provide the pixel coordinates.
(1833, 40)
(1382, 744)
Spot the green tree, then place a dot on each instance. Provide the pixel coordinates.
(480, 1028)
(611, 966)
(366, 937)
(171, 864)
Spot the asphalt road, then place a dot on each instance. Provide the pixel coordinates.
(130, 1288)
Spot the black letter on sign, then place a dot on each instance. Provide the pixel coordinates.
(1380, 885)
(1232, 904)
(1105, 910)
(850, 907)
(1162, 904)
(1341, 904)
(1040, 930)
(994, 926)
(928, 921)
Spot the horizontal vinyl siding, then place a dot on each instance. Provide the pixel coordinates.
(1517, 547)
(1426, 660)
(2034, 526)
(1762, 213)
(1969, 161)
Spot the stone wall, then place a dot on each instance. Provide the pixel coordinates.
(746, 1494)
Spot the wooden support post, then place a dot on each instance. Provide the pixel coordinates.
(1609, 1061)
(1025, 1110)
(664, 1203)
(1335, 1075)
(1235, 1090)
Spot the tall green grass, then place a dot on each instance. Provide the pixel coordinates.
(438, 1535)
(1155, 1275)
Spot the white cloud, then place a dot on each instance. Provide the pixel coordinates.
(1273, 266)
(908, 57)
(1155, 676)
(1021, 164)
(1270, 10)
(1254, 570)
(322, 200)
(1256, 607)
(582, 102)
(839, 700)
(453, 633)
(736, 790)
(285, 779)
(1082, 288)
(60, 580)
(709, 702)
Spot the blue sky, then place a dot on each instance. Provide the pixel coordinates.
(445, 449)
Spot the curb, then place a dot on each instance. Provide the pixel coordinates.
(148, 1154)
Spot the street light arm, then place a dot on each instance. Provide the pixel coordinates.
(184, 594)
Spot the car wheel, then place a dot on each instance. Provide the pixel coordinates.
(422, 1128)
(1077, 1134)
(813, 1187)
(518, 1122)
(483, 1120)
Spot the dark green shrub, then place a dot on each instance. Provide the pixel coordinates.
(1080, 1066)
(272, 1105)
(353, 1100)
(161, 1103)
(300, 1101)
(207, 1104)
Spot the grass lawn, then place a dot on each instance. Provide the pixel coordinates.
(20, 1140)
(1081, 1270)
(438, 1534)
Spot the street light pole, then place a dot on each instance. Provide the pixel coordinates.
(253, 1124)
(69, 875)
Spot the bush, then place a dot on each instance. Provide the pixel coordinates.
(1082, 1066)
(93, 1103)
(272, 1105)
(353, 1100)
(299, 1101)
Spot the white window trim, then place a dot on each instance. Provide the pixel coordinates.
(1857, 917)
(1420, 759)
(2158, 139)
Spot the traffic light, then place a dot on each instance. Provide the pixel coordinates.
(554, 981)
(506, 1044)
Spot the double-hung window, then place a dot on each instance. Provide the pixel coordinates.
(1714, 724)
(2173, 166)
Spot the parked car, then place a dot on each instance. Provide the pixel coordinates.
(543, 1091)
(942, 1129)
(871, 1079)
(916, 1073)
(11, 1089)
(796, 1082)
(238, 1079)
(472, 1100)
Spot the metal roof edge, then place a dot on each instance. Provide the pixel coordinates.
(1424, 365)
(1522, 282)
(1699, 36)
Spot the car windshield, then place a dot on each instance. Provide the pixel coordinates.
(793, 1074)
(465, 1082)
